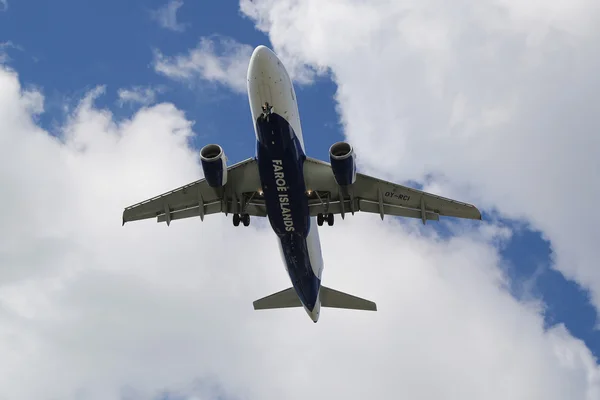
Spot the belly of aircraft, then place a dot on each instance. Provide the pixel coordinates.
(281, 168)
(304, 280)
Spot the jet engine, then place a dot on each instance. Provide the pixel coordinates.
(214, 165)
(341, 155)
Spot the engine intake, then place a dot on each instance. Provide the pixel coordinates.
(214, 165)
(341, 155)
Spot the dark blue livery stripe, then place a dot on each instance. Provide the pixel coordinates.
(281, 167)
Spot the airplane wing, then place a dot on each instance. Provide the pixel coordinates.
(197, 199)
(374, 195)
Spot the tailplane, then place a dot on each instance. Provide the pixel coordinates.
(334, 299)
(329, 298)
(285, 299)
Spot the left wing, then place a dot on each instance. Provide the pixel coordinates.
(376, 196)
(197, 199)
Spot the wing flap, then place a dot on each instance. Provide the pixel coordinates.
(334, 207)
(370, 207)
(389, 209)
(257, 210)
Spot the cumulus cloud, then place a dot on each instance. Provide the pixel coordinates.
(166, 16)
(225, 61)
(137, 95)
(492, 102)
(93, 310)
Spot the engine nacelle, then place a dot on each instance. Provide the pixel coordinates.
(341, 155)
(214, 165)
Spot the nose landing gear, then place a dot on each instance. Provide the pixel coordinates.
(322, 217)
(267, 110)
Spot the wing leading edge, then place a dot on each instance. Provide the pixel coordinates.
(377, 196)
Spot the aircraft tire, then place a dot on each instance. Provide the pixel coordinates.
(330, 219)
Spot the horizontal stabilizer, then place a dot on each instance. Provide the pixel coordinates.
(334, 299)
(285, 299)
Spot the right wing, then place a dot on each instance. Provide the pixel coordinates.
(377, 196)
(197, 199)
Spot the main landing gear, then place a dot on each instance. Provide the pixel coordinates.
(244, 218)
(322, 217)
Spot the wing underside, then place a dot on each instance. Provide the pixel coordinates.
(377, 196)
(241, 195)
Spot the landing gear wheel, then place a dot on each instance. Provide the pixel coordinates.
(246, 219)
(320, 219)
(330, 219)
(236, 219)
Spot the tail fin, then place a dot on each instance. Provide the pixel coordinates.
(285, 299)
(334, 299)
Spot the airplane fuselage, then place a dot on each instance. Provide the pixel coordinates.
(280, 155)
(277, 176)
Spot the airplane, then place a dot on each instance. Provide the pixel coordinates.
(295, 192)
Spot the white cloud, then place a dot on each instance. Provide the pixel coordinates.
(166, 16)
(225, 61)
(3, 5)
(93, 310)
(4, 46)
(137, 95)
(498, 99)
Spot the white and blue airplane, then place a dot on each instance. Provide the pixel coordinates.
(294, 191)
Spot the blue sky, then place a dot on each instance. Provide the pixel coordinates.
(115, 48)
(68, 47)
(84, 46)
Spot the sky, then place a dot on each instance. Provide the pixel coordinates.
(493, 103)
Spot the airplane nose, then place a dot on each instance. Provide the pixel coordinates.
(267, 81)
(264, 65)
(262, 51)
